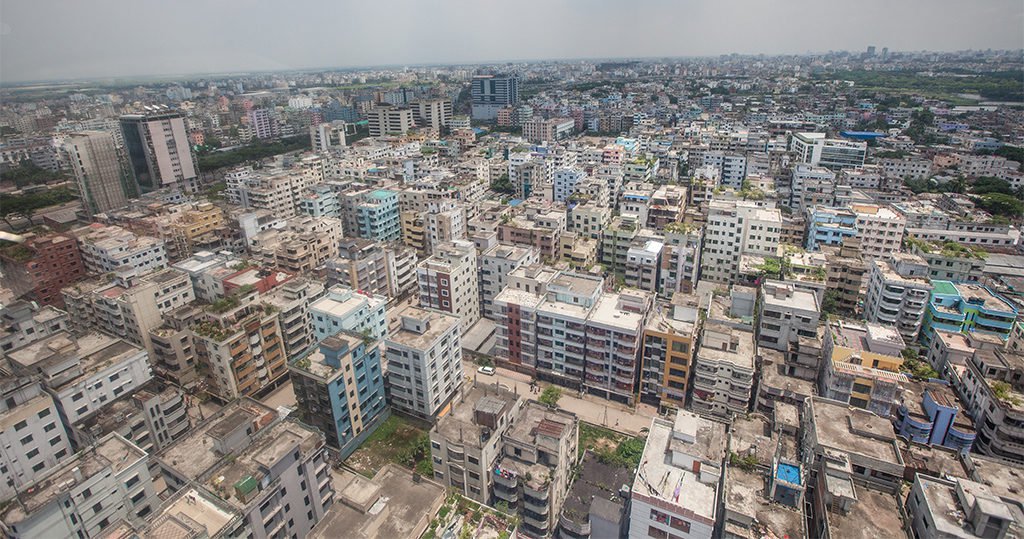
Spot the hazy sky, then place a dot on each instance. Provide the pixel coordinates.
(57, 39)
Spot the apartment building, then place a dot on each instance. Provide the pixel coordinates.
(643, 265)
(736, 229)
(86, 495)
(496, 264)
(724, 370)
(948, 263)
(786, 313)
(815, 149)
(616, 239)
(829, 226)
(24, 323)
(360, 265)
(340, 389)
(32, 434)
(880, 229)
(682, 454)
(102, 184)
(41, 266)
(565, 181)
(83, 373)
(390, 120)
(302, 246)
(958, 507)
(992, 392)
(668, 204)
(271, 472)
(448, 281)
(151, 418)
(106, 248)
(540, 229)
(240, 345)
(346, 309)
(670, 339)
(424, 358)
(929, 413)
(898, 292)
(548, 129)
(967, 308)
(862, 366)
(433, 114)
(402, 263)
(158, 150)
(906, 167)
(371, 214)
(680, 265)
(291, 302)
(844, 275)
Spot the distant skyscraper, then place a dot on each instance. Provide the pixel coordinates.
(102, 183)
(492, 92)
(871, 51)
(262, 124)
(159, 151)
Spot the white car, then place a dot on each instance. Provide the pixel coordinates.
(489, 371)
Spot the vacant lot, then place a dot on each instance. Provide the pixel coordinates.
(397, 440)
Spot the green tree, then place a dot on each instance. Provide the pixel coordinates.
(1001, 204)
(550, 396)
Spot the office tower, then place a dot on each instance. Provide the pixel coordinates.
(102, 183)
(491, 93)
(158, 150)
(389, 120)
(432, 113)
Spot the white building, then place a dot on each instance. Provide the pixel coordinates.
(105, 248)
(565, 182)
(787, 313)
(724, 370)
(880, 229)
(815, 149)
(448, 281)
(898, 293)
(736, 228)
(424, 359)
(342, 308)
(32, 436)
(496, 263)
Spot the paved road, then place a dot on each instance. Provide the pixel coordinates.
(588, 408)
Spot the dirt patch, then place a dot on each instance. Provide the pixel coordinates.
(393, 441)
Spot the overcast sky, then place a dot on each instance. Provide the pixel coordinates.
(59, 39)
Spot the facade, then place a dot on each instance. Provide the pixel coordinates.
(39, 268)
(898, 291)
(670, 340)
(320, 201)
(880, 229)
(159, 152)
(424, 358)
(734, 229)
(31, 432)
(967, 308)
(548, 129)
(390, 120)
(786, 313)
(361, 265)
(150, 418)
(724, 370)
(106, 248)
(496, 263)
(448, 281)
(24, 323)
(371, 214)
(345, 309)
(991, 390)
(102, 184)
(433, 114)
(815, 149)
(862, 366)
(931, 415)
(302, 246)
(340, 389)
(685, 454)
(86, 495)
(829, 226)
(491, 93)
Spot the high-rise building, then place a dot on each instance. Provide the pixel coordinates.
(898, 293)
(41, 267)
(30, 426)
(490, 93)
(448, 281)
(432, 113)
(158, 150)
(737, 228)
(424, 357)
(102, 183)
(817, 150)
(262, 124)
(389, 120)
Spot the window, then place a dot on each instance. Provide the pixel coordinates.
(656, 533)
(20, 425)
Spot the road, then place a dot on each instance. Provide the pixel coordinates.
(588, 408)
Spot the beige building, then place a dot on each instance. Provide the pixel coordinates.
(102, 183)
(448, 282)
(305, 245)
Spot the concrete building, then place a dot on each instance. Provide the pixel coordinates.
(271, 472)
(433, 114)
(102, 183)
(880, 230)
(967, 308)
(291, 302)
(320, 201)
(991, 390)
(371, 214)
(685, 454)
(786, 313)
(723, 378)
(361, 265)
(340, 389)
(862, 366)
(815, 149)
(565, 181)
(448, 281)
(735, 229)
(158, 149)
(491, 93)
(389, 120)
(960, 508)
(930, 414)
(106, 248)
(83, 373)
(670, 340)
(303, 245)
(151, 418)
(496, 263)
(548, 129)
(898, 292)
(592, 509)
(262, 124)
(86, 495)
(31, 432)
(424, 358)
(40, 267)
(829, 226)
(24, 323)
(643, 266)
(845, 274)
(343, 308)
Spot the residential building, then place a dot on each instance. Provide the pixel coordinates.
(343, 308)
(643, 265)
(880, 230)
(291, 302)
(402, 265)
(496, 264)
(967, 308)
(340, 389)
(361, 265)
(41, 266)
(949, 261)
(86, 495)
(844, 272)
(736, 229)
(305, 244)
(448, 281)
(685, 455)
(898, 291)
(786, 313)
(670, 339)
(320, 201)
(329, 135)
(424, 358)
(957, 507)
(433, 114)
(991, 389)
(102, 183)
(83, 373)
(24, 323)
(548, 129)
(159, 154)
(592, 509)
(829, 226)
(389, 120)
(263, 124)
(371, 214)
(565, 181)
(815, 149)
(151, 418)
(272, 472)
(724, 370)
(491, 93)
(31, 432)
(862, 366)
(174, 351)
(106, 248)
(930, 414)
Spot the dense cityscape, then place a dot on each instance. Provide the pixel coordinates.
(740, 296)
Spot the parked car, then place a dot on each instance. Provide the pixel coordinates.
(489, 371)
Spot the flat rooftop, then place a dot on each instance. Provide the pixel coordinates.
(401, 506)
(436, 325)
(746, 492)
(789, 296)
(858, 337)
(875, 515)
(318, 365)
(607, 313)
(753, 436)
(459, 424)
(112, 452)
(659, 478)
(597, 481)
(188, 512)
(973, 293)
(854, 431)
(742, 357)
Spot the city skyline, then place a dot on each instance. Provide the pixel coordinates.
(220, 41)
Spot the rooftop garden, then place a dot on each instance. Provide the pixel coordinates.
(464, 518)
(612, 448)
(1005, 394)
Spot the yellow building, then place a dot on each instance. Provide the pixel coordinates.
(862, 365)
(580, 252)
(668, 352)
(414, 231)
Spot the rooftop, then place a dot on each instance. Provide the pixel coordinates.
(433, 325)
(461, 426)
(875, 514)
(596, 481)
(746, 493)
(843, 427)
(188, 512)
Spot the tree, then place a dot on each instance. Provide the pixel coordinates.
(503, 185)
(550, 396)
(830, 302)
(1001, 204)
(987, 184)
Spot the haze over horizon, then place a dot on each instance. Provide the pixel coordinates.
(49, 40)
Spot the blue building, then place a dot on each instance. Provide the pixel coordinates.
(933, 417)
(320, 201)
(340, 389)
(829, 226)
(965, 308)
(372, 214)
